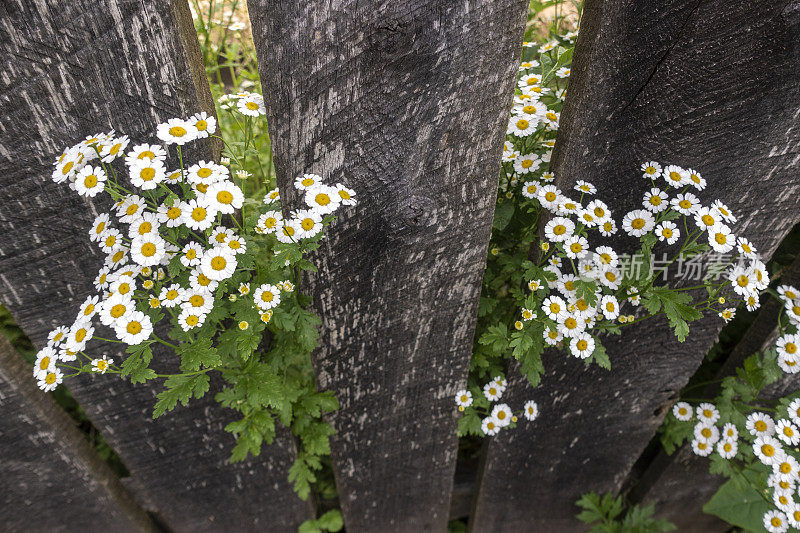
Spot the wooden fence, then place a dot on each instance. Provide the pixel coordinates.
(408, 100)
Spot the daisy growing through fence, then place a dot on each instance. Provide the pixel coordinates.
(195, 265)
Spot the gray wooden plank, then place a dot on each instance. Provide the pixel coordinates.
(706, 85)
(53, 480)
(680, 484)
(407, 103)
(72, 69)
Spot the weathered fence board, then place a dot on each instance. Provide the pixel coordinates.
(72, 69)
(52, 479)
(706, 85)
(407, 103)
(680, 484)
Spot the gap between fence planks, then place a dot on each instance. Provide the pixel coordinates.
(707, 85)
(73, 69)
(51, 475)
(680, 484)
(407, 103)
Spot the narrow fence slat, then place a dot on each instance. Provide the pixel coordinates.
(680, 484)
(407, 103)
(52, 479)
(706, 85)
(72, 69)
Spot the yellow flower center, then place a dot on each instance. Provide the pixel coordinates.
(177, 131)
(148, 249)
(134, 327)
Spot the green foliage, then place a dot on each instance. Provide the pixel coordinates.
(608, 514)
(330, 521)
(741, 502)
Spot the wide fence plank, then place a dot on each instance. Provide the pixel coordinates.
(73, 69)
(53, 480)
(680, 484)
(407, 103)
(706, 85)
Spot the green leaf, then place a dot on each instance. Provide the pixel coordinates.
(197, 354)
(740, 503)
(180, 388)
(502, 215)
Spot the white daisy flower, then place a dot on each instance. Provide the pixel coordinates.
(116, 307)
(199, 281)
(267, 296)
(723, 211)
(706, 218)
(130, 207)
(775, 521)
(675, 176)
(787, 292)
(269, 222)
(492, 392)
(198, 214)
(153, 152)
(113, 149)
(530, 189)
(146, 224)
(347, 196)
(609, 306)
(225, 196)
(522, 125)
(45, 361)
(204, 123)
(99, 227)
(551, 118)
(90, 181)
(707, 413)
(189, 319)
(721, 238)
(576, 247)
(47, 381)
(570, 325)
(559, 229)
(655, 200)
(695, 179)
(527, 163)
(463, 398)
(79, 334)
(307, 181)
(502, 414)
(549, 196)
(89, 308)
(552, 336)
(685, 203)
(148, 250)
(204, 172)
(707, 432)
(553, 306)
(288, 232)
(682, 411)
(323, 199)
(727, 449)
(58, 336)
(651, 170)
(608, 228)
(310, 223)
(782, 498)
(101, 365)
(668, 232)
(730, 432)
(787, 432)
(531, 410)
(702, 448)
(585, 187)
(218, 263)
(489, 426)
(200, 302)
(760, 424)
(147, 174)
(176, 131)
(638, 222)
(172, 295)
(133, 328)
(582, 346)
(252, 105)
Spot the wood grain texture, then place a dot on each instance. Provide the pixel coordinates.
(52, 478)
(707, 85)
(407, 103)
(680, 484)
(72, 69)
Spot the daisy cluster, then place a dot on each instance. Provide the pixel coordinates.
(174, 245)
(500, 415)
(774, 447)
(788, 343)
